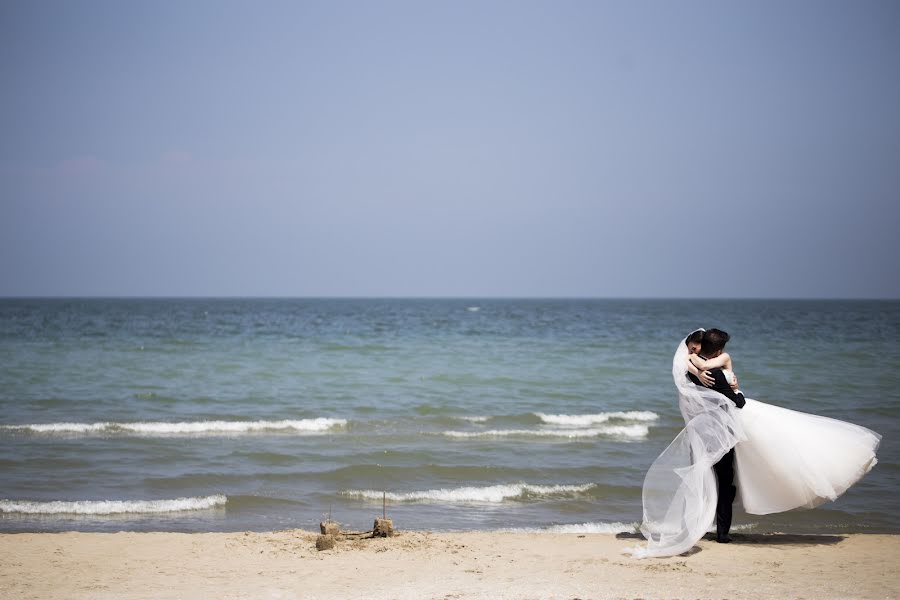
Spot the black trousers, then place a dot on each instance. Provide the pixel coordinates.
(725, 478)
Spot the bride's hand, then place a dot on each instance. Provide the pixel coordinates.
(706, 379)
(734, 383)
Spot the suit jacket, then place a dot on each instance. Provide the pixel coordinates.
(721, 385)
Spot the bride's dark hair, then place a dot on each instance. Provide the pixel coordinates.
(694, 338)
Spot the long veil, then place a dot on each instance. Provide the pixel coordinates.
(679, 494)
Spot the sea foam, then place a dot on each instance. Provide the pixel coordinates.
(184, 427)
(110, 507)
(592, 419)
(474, 418)
(621, 431)
(615, 527)
(491, 493)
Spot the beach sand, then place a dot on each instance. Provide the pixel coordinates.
(423, 565)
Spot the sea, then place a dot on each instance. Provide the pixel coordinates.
(261, 414)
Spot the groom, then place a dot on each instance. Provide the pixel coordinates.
(713, 345)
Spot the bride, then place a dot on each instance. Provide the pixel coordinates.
(784, 459)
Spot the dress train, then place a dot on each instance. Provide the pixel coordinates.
(792, 459)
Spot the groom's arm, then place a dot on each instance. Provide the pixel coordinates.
(723, 387)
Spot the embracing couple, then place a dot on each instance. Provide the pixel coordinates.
(773, 458)
(709, 365)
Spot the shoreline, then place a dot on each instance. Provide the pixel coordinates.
(441, 565)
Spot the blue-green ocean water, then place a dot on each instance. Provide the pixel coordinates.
(263, 414)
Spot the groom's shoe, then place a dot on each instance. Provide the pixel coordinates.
(722, 533)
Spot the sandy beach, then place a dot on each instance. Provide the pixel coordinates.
(424, 565)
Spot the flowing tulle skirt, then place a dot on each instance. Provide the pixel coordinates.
(792, 459)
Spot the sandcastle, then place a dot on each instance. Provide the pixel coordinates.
(330, 530)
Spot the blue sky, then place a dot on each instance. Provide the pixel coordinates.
(627, 149)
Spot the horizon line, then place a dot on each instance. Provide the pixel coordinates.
(433, 297)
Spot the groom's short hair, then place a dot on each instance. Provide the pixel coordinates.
(713, 341)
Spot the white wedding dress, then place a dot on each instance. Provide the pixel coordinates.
(793, 460)
(784, 459)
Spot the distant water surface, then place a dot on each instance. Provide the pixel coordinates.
(260, 414)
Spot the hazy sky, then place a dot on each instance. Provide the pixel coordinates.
(423, 148)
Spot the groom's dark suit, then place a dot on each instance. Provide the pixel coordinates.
(725, 467)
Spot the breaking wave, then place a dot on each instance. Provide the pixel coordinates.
(491, 493)
(576, 528)
(621, 431)
(183, 428)
(110, 507)
(593, 419)
(474, 418)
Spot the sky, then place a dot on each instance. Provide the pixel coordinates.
(435, 148)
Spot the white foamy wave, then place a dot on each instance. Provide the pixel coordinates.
(491, 493)
(592, 419)
(626, 431)
(577, 528)
(185, 427)
(59, 427)
(110, 507)
(474, 419)
(320, 424)
(742, 527)
(622, 431)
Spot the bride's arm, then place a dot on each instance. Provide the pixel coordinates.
(722, 361)
(701, 374)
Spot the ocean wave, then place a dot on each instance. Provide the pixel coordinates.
(742, 527)
(622, 431)
(592, 419)
(474, 419)
(110, 507)
(616, 527)
(491, 493)
(184, 427)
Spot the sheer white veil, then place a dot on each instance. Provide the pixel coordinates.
(679, 494)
